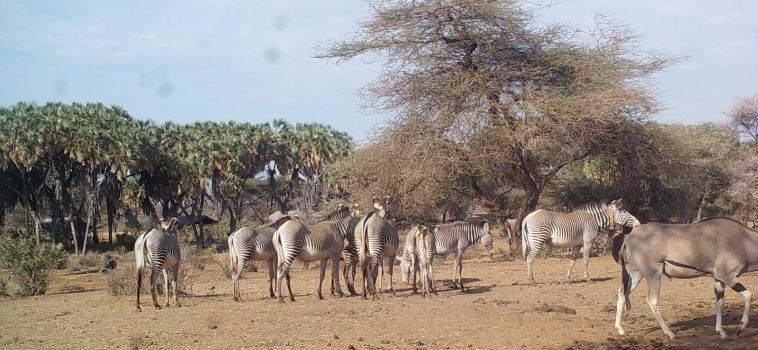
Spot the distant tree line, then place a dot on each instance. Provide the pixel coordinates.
(71, 164)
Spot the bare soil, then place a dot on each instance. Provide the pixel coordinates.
(497, 312)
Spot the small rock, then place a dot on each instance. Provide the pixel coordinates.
(360, 338)
(336, 337)
(328, 344)
(214, 326)
(420, 343)
(350, 347)
(385, 342)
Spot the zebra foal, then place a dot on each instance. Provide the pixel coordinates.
(248, 244)
(158, 249)
(577, 230)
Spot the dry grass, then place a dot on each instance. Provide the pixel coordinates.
(123, 280)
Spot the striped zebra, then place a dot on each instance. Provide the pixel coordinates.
(158, 249)
(350, 258)
(320, 242)
(456, 237)
(248, 244)
(577, 230)
(379, 240)
(418, 253)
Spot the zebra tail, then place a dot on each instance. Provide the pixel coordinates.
(364, 239)
(626, 279)
(524, 240)
(233, 257)
(143, 253)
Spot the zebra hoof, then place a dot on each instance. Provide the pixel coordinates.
(157, 307)
(178, 305)
(281, 300)
(139, 308)
(292, 299)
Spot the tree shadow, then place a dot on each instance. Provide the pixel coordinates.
(700, 339)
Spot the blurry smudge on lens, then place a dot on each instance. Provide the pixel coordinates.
(165, 89)
(273, 54)
(60, 87)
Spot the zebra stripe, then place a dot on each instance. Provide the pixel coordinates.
(158, 249)
(577, 230)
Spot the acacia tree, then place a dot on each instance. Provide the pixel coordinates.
(485, 99)
(743, 118)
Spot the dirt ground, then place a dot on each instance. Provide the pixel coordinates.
(498, 312)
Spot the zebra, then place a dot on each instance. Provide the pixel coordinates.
(406, 258)
(379, 240)
(158, 249)
(456, 237)
(350, 257)
(319, 242)
(418, 253)
(248, 244)
(577, 230)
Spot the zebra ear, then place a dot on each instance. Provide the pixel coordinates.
(435, 228)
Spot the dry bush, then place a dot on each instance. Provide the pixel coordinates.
(223, 263)
(123, 280)
(191, 256)
(3, 288)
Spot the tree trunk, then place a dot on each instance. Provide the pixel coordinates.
(73, 234)
(531, 197)
(700, 209)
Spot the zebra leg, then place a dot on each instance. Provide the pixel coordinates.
(174, 273)
(390, 267)
(373, 273)
(381, 275)
(586, 260)
(336, 275)
(321, 273)
(431, 277)
(289, 288)
(271, 279)
(165, 286)
(364, 276)
(458, 271)
(235, 284)
(281, 271)
(139, 286)
(574, 255)
(154, 286)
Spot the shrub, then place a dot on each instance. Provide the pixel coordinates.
(3, 288)
(123, 279)
(191, 256)
(32, 266)
(223, 262)
(126, 241)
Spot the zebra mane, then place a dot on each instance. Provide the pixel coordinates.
(476, 221)
(591, 207)
(280, 221)
(338, 214)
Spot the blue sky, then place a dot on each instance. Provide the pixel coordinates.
(252, 60)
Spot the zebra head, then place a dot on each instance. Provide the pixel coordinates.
(384, 208)
(170, 226)
(487, 239)
(619, 215)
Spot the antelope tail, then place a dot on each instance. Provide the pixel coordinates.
(626, 279)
